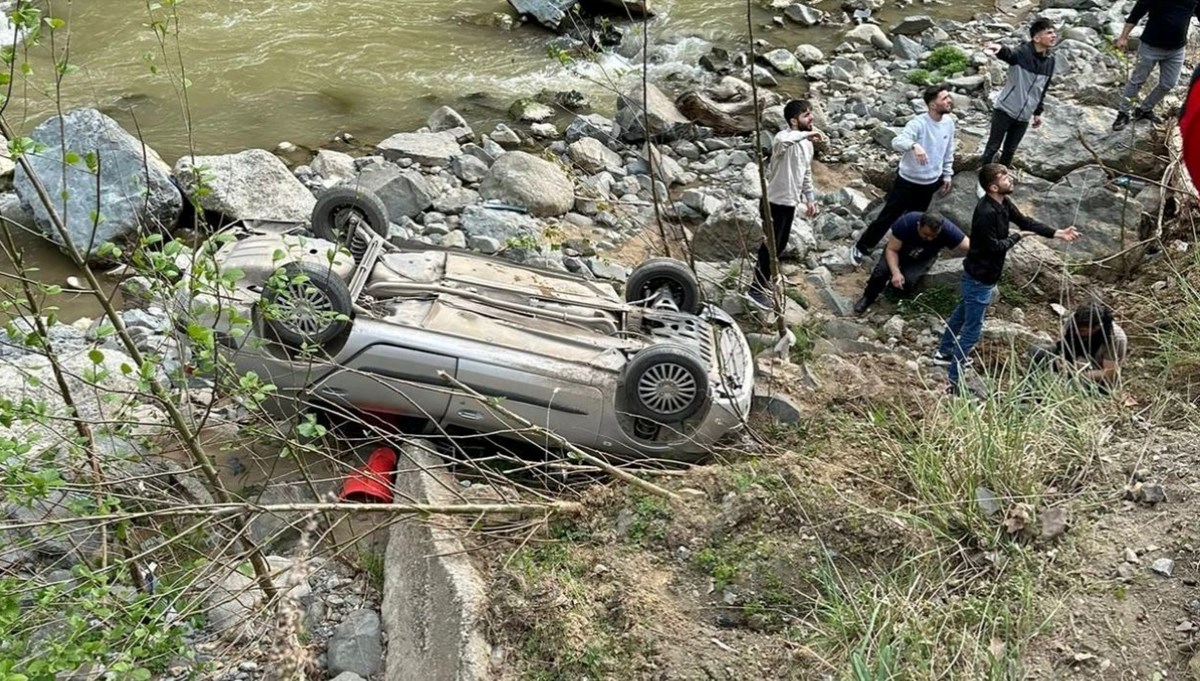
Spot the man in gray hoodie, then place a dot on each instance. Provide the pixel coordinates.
(1024, 94)
(927, 142)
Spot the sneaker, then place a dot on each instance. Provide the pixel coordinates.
(1121, 122)
(759, 299)
(861, 305)
(1139, 115)
(941, 359)
(856, 256)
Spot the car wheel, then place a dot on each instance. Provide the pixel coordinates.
(310, 306)
(666, 383)
(668, 274)
(342, 211)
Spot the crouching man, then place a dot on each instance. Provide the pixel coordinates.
(912, 249)
(1092, 345)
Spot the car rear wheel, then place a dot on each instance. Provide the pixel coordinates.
(341, 215)
(664, 274)
(666, 383)
(306, 305)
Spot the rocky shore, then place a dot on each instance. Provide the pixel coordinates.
(579, 195)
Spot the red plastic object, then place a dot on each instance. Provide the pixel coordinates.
(1189, 129)
(372, 483)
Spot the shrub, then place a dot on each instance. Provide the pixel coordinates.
(946, 60)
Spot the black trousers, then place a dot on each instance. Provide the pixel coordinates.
(904, 197)
(912, 269)
(781, 221)
(1006, 130)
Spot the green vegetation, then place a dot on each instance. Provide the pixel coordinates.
(943, 62)
(936, 300)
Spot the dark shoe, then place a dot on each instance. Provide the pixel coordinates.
(856, 256)
(861, 305)
(1121, 122)
(1139, 115)
(759, 299)
(941, 359)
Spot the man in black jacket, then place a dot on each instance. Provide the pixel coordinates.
(1024, 94)
(990, 243)
(1162, 44)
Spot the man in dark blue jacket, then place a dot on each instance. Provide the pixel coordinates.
(990, 243)
(1162, 44)
(1024, 94)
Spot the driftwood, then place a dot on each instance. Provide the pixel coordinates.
(725, 118)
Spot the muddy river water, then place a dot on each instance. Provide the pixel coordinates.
(304, 70)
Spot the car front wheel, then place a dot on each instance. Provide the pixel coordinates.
(666, 383)
(343, 213)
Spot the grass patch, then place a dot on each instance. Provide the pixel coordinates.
(938, 300)
(1175, 329)
(1034, 433)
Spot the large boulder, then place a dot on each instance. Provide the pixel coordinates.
(656, 117)
(1055, 149)
(133, 191)
(491, 229)
(525, 180)
(1097, 207)
(426, 148)
(404, 192)
(253, 184)
(959, 205)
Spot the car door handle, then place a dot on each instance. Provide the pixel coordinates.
(470, 415)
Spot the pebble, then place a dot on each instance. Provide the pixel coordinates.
(1163, 566)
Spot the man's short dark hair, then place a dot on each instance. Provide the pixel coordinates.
(931, 220)
(1094, 314)
(932, 92)
(796, 108)
(1040, 24)
(989, 173)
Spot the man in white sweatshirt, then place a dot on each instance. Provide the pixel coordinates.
(789, 183)
(927, 165)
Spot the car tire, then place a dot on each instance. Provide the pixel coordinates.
(312, 312)
(654, 274)
(666, 383)
(342, 209)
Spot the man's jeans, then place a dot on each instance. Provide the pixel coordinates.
(966, 324)
(1170, 65)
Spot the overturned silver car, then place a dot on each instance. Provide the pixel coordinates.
(347, 319)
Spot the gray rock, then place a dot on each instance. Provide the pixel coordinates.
(484, 244)
(853, 199)
(868, 34)
(883, 136)
(1060, 152)
(988, 502)
(455, 201)
(967, 83)
(808, 55)
(906, 48)
(914, 25)
(702, 201)
(333, 165)
(544, 131)
(592, 125)
(426, 148)
(783, 61)
(835, 302)
(592, 156)
(233, 601)
(135, 189)
(445, 118)
(404, 192)
(778, 406)
(734, 231)
(482, 154)
(279, 531)
(657, 117)
(804, 14)
(529, 110)
(847, 330)
(1054, 522)
(348, 676)
(1163, 566)
(548, 13)
(894, 327)
(524, 180)
(604, 269)
(506, 136)
(468, 168)
(253, 184)
(1151, 494)
(498, 225)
